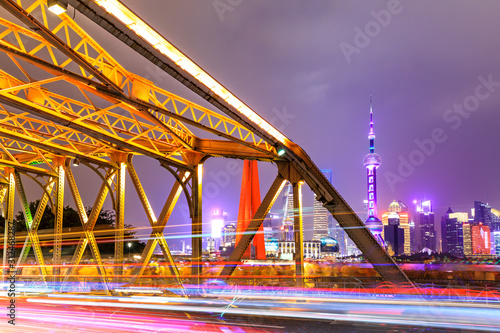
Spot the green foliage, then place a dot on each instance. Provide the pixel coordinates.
(72, 219)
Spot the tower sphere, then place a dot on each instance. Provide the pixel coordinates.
(374, 225)
(372, 159)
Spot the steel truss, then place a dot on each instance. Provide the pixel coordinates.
(80, 103)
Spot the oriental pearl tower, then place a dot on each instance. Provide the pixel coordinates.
(372, 162)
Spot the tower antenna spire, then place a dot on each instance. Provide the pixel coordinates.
(371, 134)
(372, 162)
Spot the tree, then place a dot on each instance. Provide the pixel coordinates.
(71, 219)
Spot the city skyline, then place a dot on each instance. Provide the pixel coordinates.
(319, 99)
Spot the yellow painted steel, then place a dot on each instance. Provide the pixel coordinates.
(58, 223)
(89, 225)
(135, 86)
(9, 219)
(120, 217)
(32, 224)
(196, 224)
(88, 234)
(158, 226)
(298, 230)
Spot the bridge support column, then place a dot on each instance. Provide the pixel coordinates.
(298, 228)
(121, 160)
(58, 222)
(9, 220)
(249, 203)
(196, 232)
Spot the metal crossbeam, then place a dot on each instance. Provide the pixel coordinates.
(162, 104)
(48, 35)
(32, 224)
(88, 234)
(158, 226)
(88, 227)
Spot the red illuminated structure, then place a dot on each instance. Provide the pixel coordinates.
(481, 239)
(249, 203)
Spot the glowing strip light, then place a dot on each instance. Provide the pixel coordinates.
(143, 30)
(142, 291)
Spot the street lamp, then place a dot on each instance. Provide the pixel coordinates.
(129, 245)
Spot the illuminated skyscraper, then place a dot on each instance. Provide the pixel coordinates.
(229, 235)
(427, 232)
(452, 232)
(321, 215)
(397, 209)
(372, 162)
(482, 213)
(496, 239)
(481, 239)
(288, 213)
(272, 227)
(467, 236)
(218, 219)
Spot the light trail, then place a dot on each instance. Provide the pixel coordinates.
(437, 316)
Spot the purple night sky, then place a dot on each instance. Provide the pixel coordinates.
(304, 66)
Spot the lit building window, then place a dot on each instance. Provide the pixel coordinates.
(370, 179)
(370, 188)
(370, 197)
(371, 212)
(370, 172)
(371, 204)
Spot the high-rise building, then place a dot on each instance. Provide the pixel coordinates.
(427, 232)
(467, 236)
(341, 237)
(495, 218)
(482, 213)
(229, 235)
(452, 232)
(394, 237)
(288, 213)
(272, 226)
(371, 162)
(322, 216)
(481, 239)
(218, 220)
(398, 210)
(496, 238)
